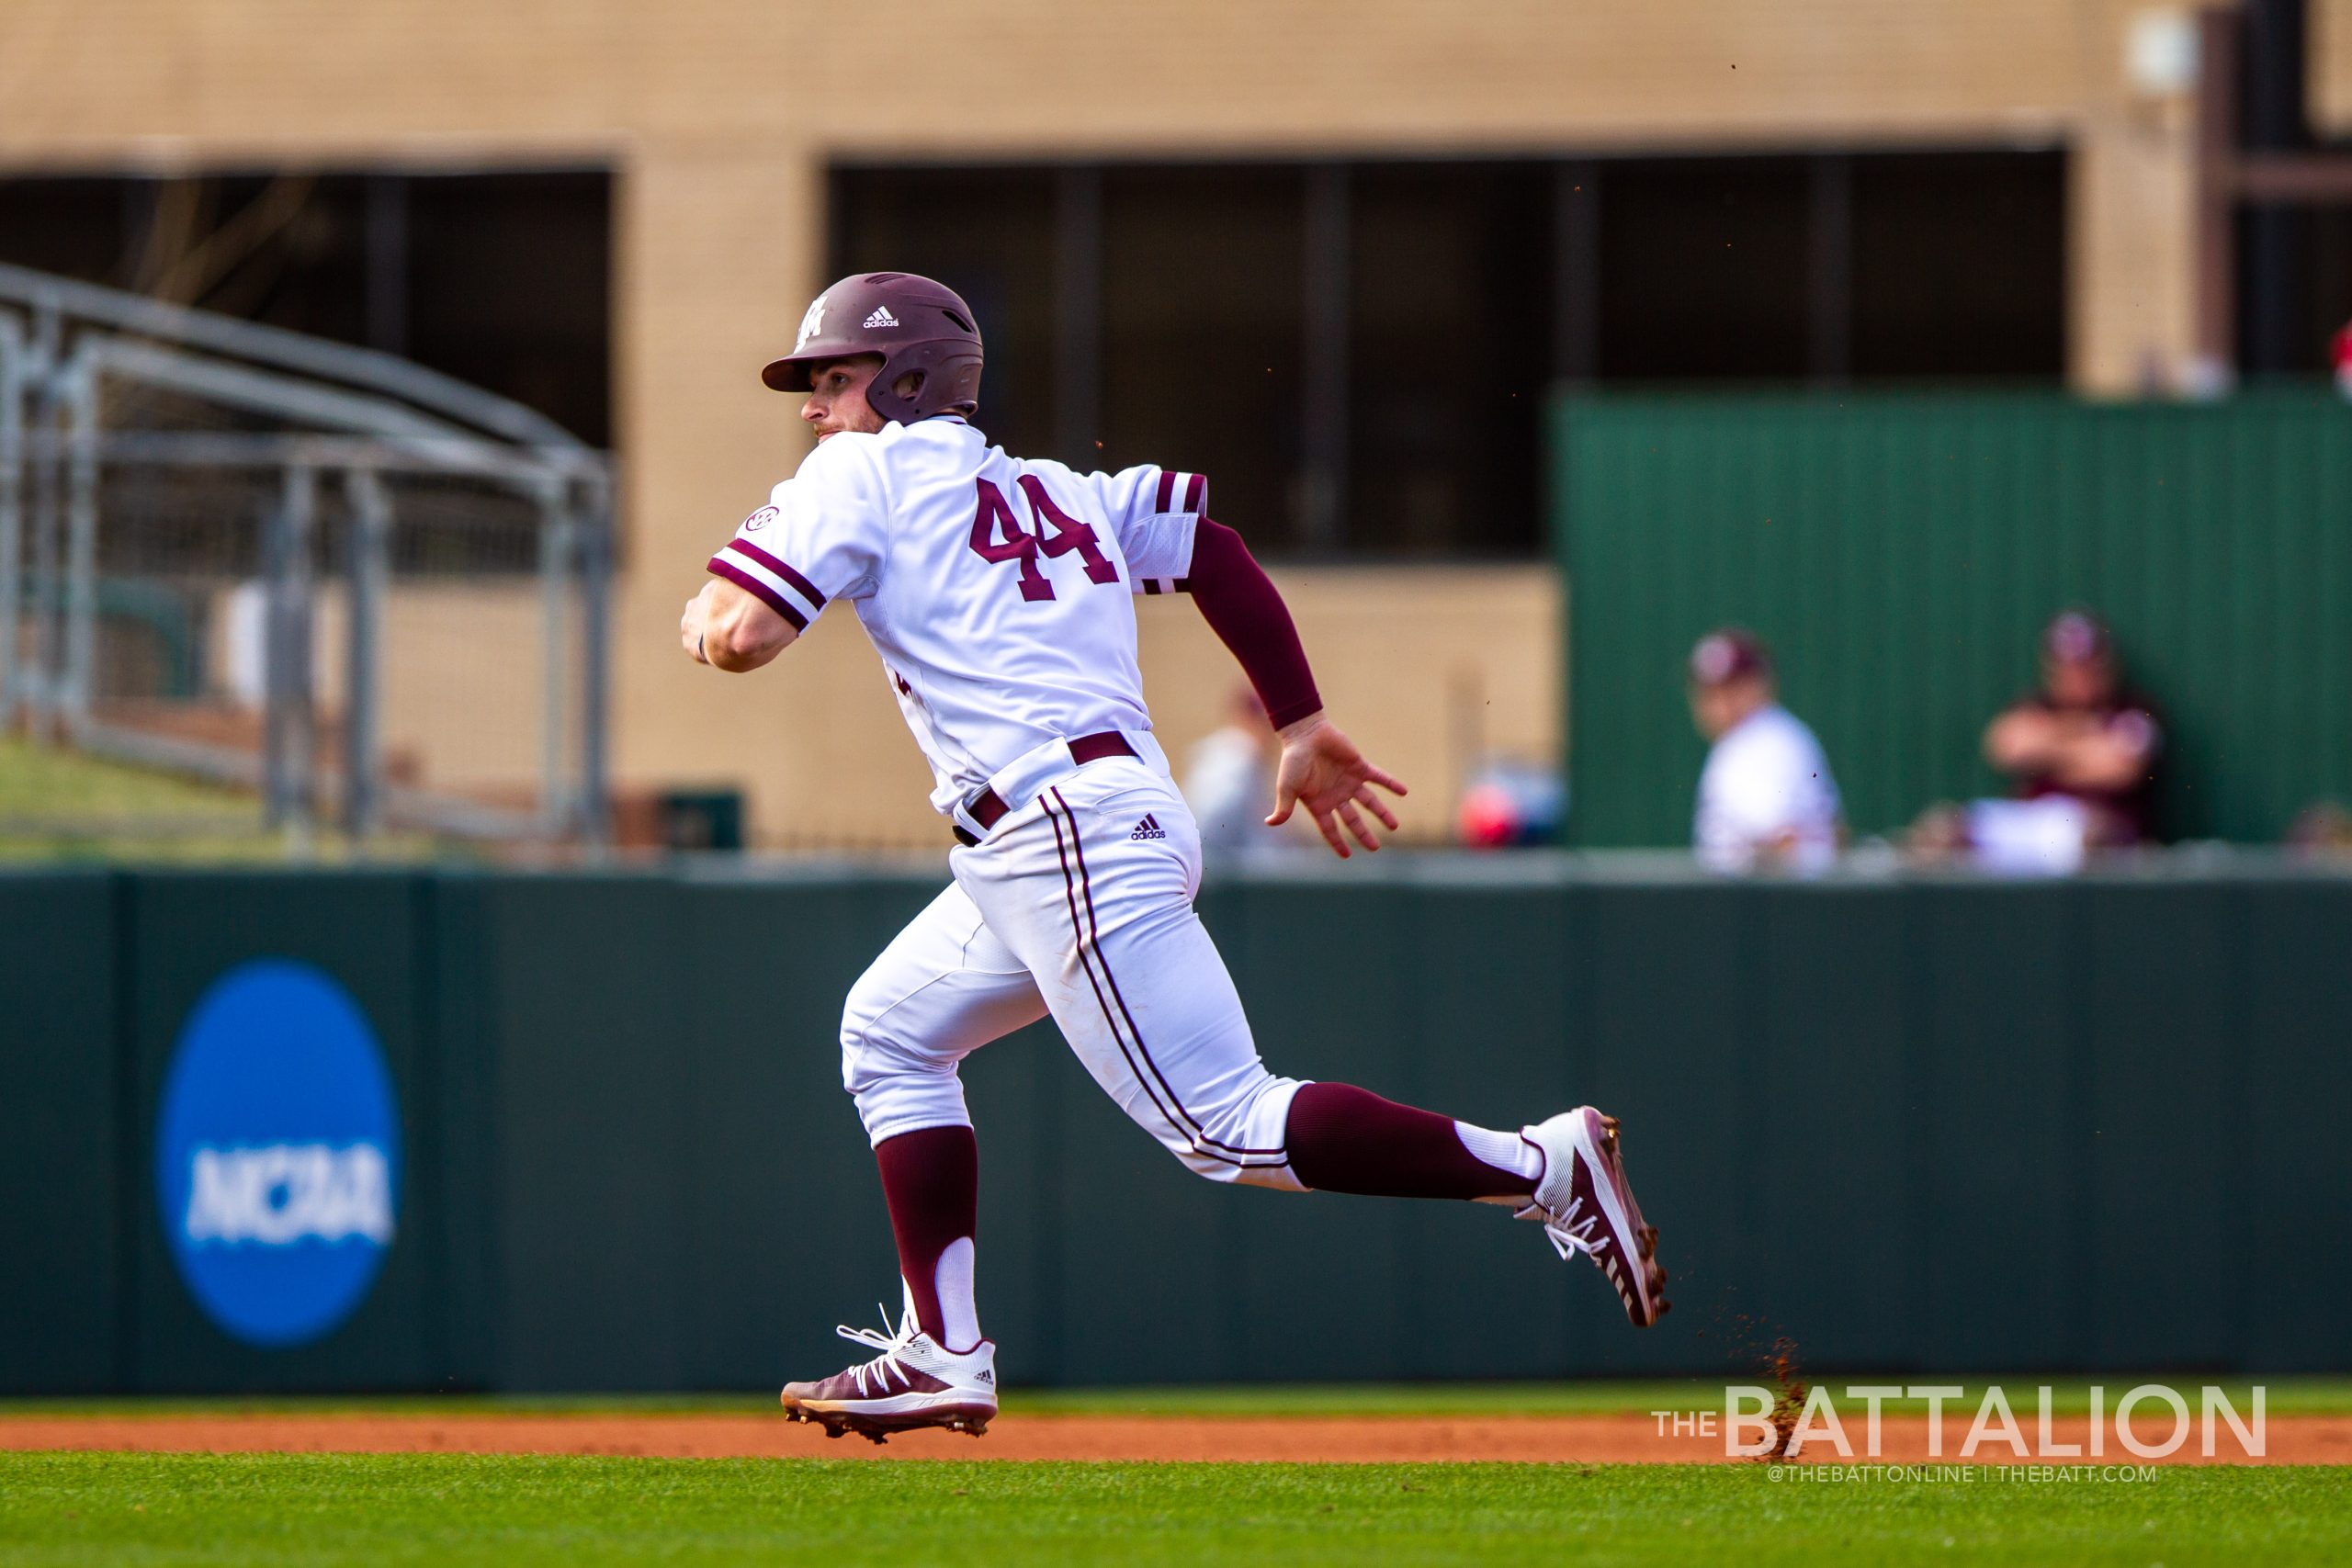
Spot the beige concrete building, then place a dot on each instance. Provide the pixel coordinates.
(720, 117)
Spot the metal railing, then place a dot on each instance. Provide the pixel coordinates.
(188, 501)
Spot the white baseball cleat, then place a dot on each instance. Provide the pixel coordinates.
(914, 1383)
(1586, 1205)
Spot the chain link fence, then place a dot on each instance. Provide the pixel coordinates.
(367, 593)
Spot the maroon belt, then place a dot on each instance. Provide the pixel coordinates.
(988, 807)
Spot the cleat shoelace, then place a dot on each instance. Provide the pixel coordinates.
(1568, 1233)
(887, 1365)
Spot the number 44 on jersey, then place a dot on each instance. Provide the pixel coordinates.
(1056, 532)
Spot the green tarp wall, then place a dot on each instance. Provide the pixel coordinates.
(1929, 1125)
(1900, 553)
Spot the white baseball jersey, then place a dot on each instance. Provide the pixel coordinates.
(995, 589)
(1766, 777)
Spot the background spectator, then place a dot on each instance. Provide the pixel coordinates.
(2322, 830)
(2085, 742)
(1229, 778)
(1766, 797)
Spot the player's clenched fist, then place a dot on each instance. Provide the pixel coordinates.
(1322, 770)
(728, 628)
(691, 624)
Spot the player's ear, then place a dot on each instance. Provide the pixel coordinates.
(909, 386)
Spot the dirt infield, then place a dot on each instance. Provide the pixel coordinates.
(1588, 1439)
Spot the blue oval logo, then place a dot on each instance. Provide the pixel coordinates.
(277, 1152)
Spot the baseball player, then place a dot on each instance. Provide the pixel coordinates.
(998, 592)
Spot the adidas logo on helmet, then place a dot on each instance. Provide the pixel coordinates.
(881, 317)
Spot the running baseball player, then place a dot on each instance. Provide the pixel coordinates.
(999, 592)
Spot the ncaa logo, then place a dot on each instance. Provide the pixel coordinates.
(277, 1153)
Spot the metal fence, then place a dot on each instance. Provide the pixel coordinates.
(351, 583)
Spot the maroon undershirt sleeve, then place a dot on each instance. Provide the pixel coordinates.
(1241, 606)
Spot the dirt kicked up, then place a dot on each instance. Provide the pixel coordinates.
(1587, 1439)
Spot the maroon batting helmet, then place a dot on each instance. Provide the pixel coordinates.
(919, 328)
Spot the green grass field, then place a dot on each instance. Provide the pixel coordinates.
(327, 1509)
(58, 805)
(51, 781)
(72, 1508)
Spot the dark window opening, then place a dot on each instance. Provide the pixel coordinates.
(2295, 288)
(1958, 264)
(1449, 355)
(501, 280)
(1704, 269)
(1204, 336)
(1359, 354)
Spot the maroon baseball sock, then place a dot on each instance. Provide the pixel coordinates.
(1345, 1139)
(931, 1179)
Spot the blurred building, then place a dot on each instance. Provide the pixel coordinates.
(1334, 254)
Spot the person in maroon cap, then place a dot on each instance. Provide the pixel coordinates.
(1767, 801)
(2084, 736)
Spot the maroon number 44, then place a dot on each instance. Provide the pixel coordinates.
(997, 536)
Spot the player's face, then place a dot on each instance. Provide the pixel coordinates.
(837, 396)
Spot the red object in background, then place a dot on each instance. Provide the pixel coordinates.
(2342, 357)
(1490, 817)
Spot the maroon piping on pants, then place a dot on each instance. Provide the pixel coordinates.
(1069, 892)
(1199, 1134)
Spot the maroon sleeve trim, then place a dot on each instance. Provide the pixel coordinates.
(760, 591)
(1197, 493)
(806, 588)
(1305, 707)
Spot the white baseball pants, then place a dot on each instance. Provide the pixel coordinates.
(1079, 905)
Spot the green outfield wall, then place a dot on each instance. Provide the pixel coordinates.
(1900, 552)
(1965, 1126)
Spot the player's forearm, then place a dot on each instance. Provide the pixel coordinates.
(745, 636)
(1240, 604)
(728, 629)
(740, 655)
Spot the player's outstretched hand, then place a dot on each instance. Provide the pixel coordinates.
(1322, 770)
